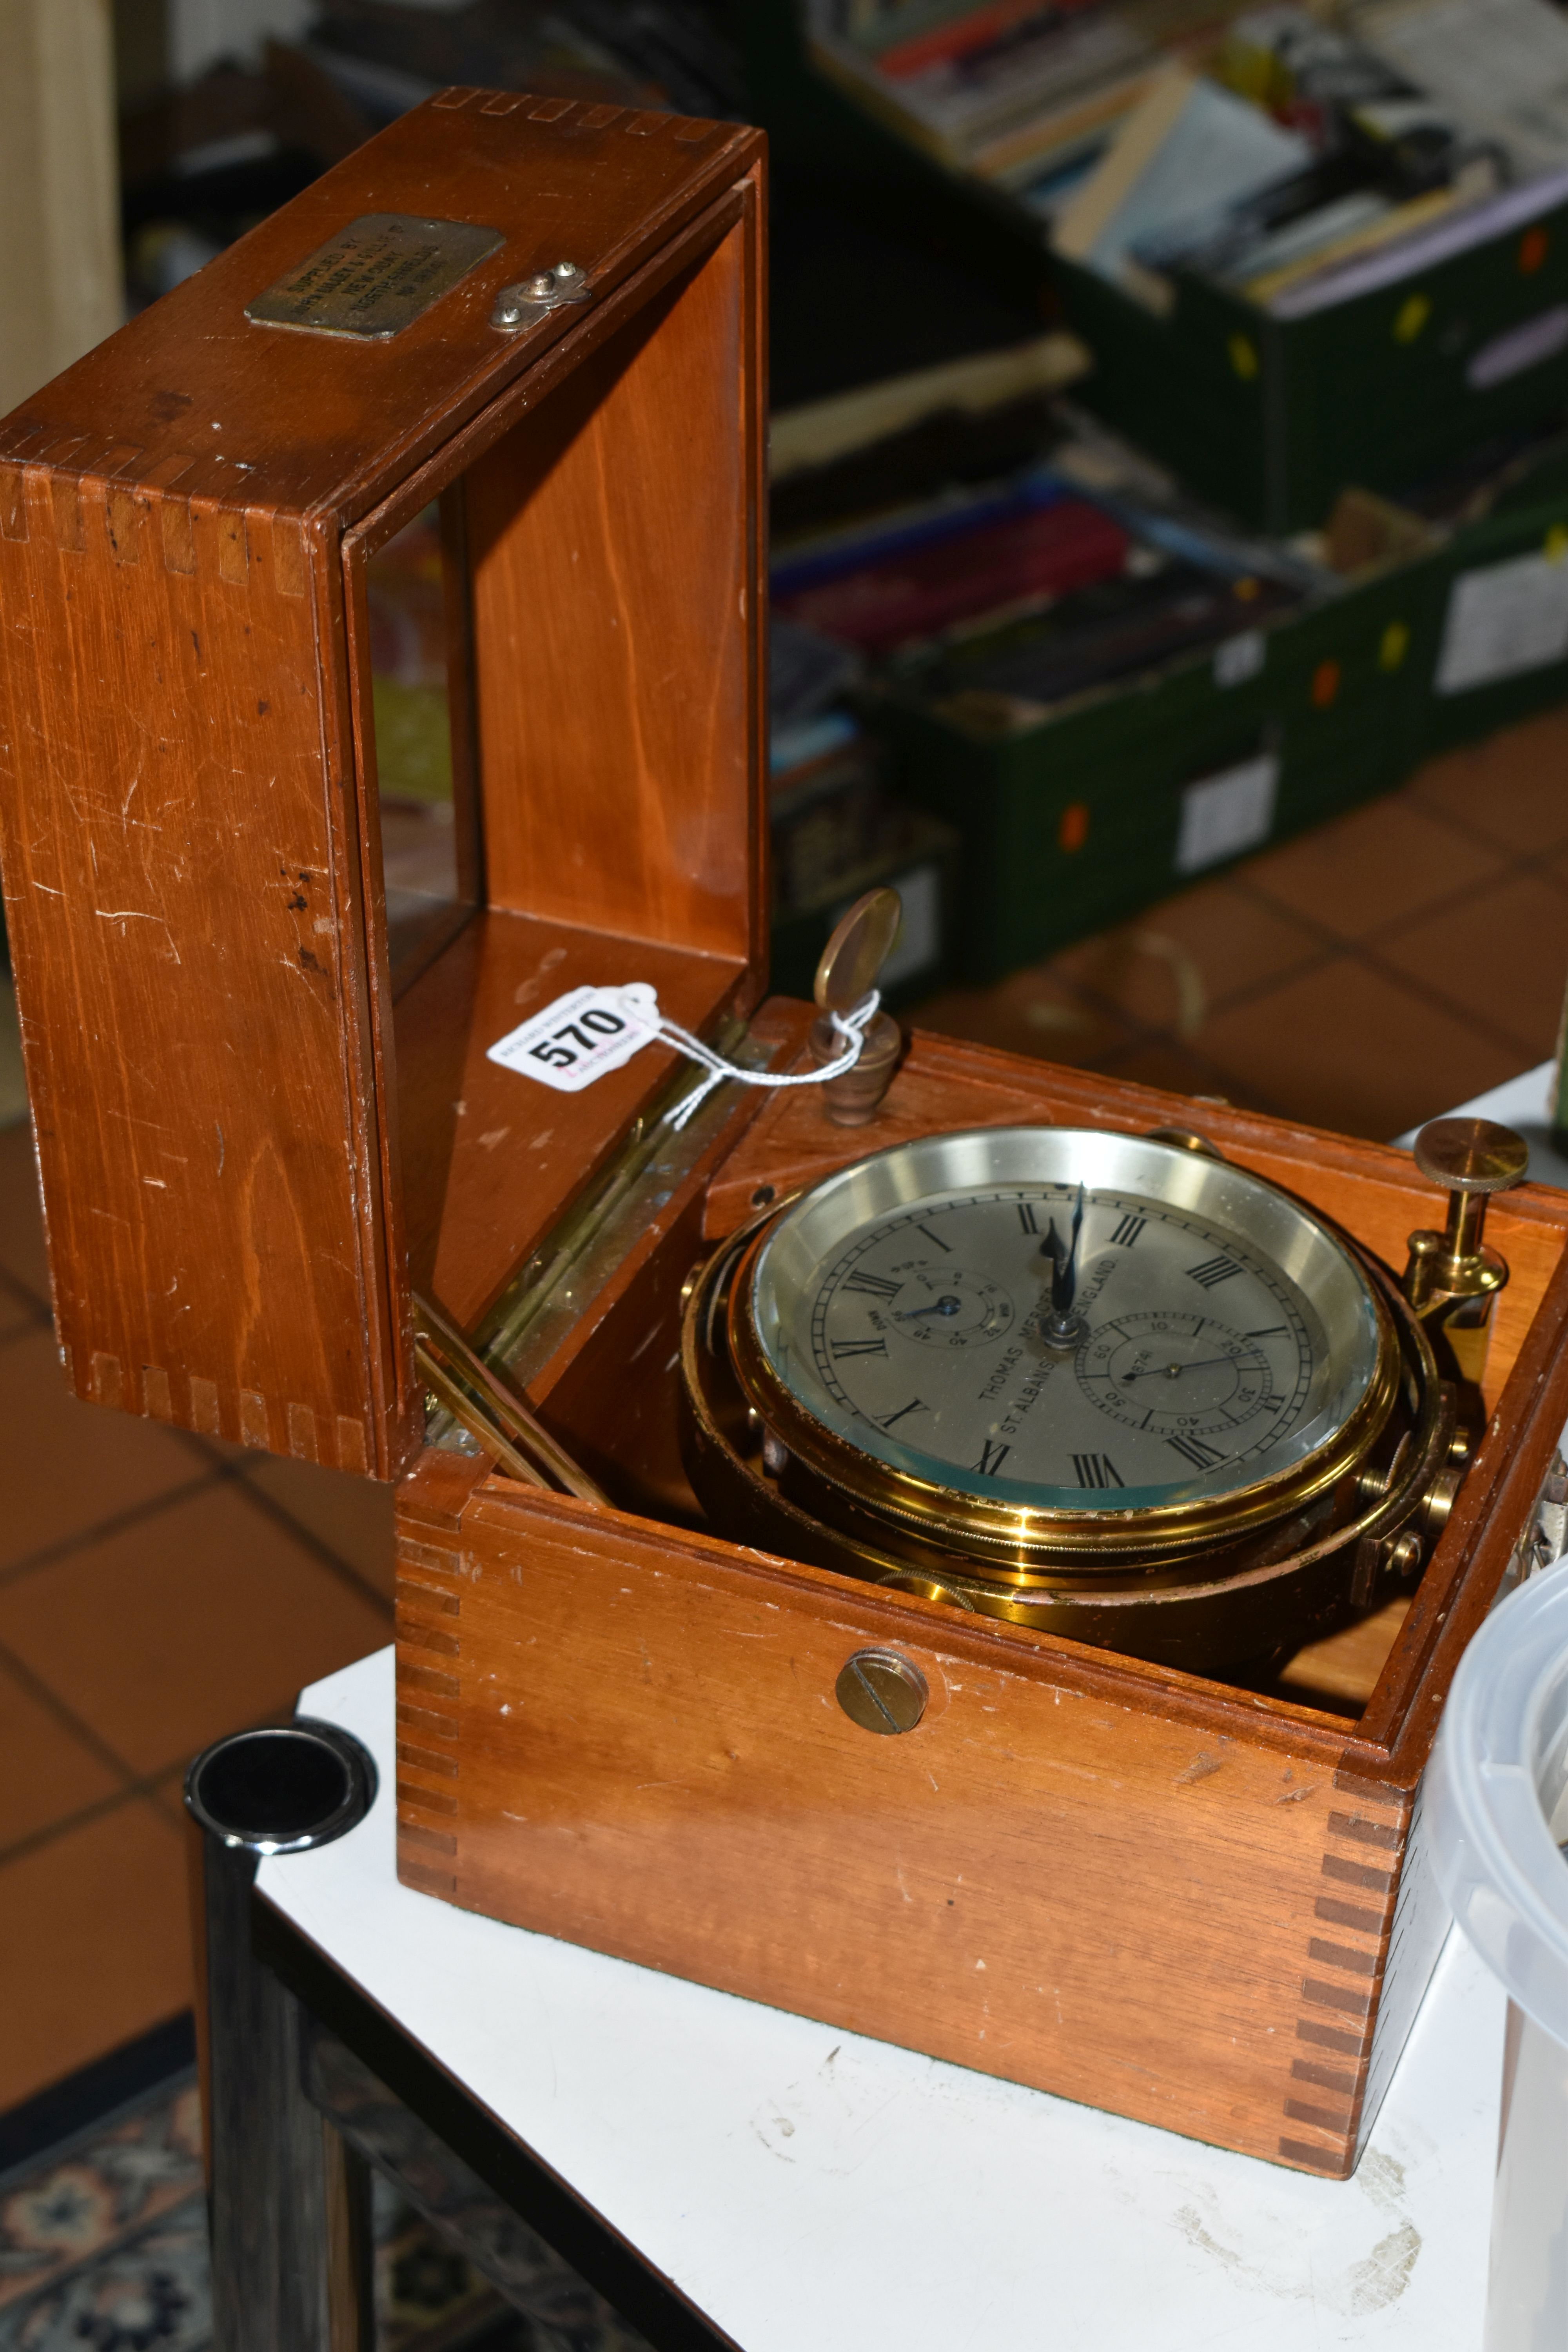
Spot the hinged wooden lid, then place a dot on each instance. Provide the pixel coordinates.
(243, 1147)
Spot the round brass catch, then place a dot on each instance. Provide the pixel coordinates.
(882, 1692)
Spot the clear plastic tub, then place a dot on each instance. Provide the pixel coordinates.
(1498, 1811)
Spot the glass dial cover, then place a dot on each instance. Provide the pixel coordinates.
(1198, 1336)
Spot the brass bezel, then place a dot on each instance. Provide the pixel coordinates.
(1017, 1543)
(1233, 1580)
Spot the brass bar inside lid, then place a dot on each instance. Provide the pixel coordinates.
(480, 1425)
(492, 1413)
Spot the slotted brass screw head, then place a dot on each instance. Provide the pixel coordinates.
(882, 1692)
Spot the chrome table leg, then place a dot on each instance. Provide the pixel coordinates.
(289, 2199)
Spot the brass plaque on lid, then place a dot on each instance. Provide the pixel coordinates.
(375, 276)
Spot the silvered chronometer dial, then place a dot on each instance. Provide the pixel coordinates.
(1028, 1363)
(1187, 1363)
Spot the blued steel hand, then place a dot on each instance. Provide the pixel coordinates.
(1064, 1261)
(945, 1306)
(1169, 1371)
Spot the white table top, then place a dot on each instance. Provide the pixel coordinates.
(805, 2187)
(808, 2188)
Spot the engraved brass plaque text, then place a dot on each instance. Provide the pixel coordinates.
(375, 276)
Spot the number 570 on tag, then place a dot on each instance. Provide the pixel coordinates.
(582, 1036)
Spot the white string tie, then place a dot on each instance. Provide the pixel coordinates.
(851, 1026)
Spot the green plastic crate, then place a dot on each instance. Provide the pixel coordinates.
(1500, 648)
(1082, 817)
(1273, 417)
(1267, 417)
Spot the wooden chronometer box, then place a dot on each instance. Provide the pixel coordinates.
(258, 985)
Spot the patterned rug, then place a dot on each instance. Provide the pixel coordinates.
(103, 2245)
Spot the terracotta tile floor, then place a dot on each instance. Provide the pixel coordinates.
(1363, 977)
(155, 1590)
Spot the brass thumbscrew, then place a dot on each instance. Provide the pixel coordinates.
(1452, 1278)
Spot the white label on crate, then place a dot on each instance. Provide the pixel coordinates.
(1239, 658)
(1224, 815)
(1540, 338)
(582, 1036)
(1503, 620)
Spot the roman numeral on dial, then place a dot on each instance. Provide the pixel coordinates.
(991, 1458)
(859, 1348)
(915, 1404)
(1026, 1217)
(874, 1285)
(1213, 1270)
(1194, 1450)
(1096, 1470)
(1128, 1230)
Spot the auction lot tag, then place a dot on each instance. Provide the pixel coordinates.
(582, 1036)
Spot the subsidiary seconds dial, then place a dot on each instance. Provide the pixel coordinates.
(1175, 1372)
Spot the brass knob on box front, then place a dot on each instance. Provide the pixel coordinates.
(882, 1692)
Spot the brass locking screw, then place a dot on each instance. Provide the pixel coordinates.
(882, 1692)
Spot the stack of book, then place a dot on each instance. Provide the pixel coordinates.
(992, 558)
(1107, 689)
(1296, 157)
(1077, 567)
(1011, 91)
(879, 497)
